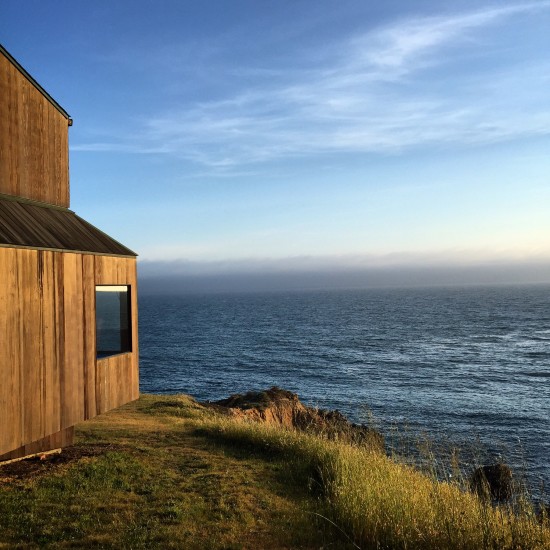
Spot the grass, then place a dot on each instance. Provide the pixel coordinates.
(149, 476)
(382, 503)
(167, 473)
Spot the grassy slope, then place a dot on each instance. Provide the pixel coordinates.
(157, 479)
(166, 473)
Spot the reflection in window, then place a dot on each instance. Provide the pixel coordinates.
(113, 327)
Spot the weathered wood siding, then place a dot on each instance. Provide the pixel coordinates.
(50, 377)
(34, 151)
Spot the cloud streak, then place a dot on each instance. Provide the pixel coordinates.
(398, 45)
(373, 93)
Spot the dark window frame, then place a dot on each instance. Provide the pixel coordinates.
(125, 329)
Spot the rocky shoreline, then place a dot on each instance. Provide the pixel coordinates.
(284, 408)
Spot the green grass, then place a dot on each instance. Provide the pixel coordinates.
(168, 473)
(154, 480)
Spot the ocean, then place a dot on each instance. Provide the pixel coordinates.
(467, 366)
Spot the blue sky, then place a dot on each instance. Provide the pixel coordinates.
(246, 135)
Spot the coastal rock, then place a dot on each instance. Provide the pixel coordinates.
(494, 481)
(284, 408)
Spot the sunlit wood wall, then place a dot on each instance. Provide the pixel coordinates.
(50, 377)
(34, 153)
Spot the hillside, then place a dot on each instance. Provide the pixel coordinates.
(168, 472)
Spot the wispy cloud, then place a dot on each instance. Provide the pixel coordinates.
(373, 93)
(398, 46)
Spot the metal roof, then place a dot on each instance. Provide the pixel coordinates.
(27, 224)
(35, 84)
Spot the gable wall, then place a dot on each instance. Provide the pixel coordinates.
(34, 150)
(50, 377)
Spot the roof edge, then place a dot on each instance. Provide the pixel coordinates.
(25, 200)
(26, 74)
(107, 235)
(68, 251)
(123, 250)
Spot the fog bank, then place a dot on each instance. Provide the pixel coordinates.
(181, 277)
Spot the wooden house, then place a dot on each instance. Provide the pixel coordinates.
(68, 300)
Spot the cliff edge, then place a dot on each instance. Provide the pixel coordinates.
(284, 408)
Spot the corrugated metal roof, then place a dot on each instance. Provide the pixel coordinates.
(31, 225)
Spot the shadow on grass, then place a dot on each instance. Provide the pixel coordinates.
(294, 474)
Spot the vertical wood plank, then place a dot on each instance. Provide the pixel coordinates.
(131, 265)
(88, 284)
(59, 307)
(31, 348)
(11, 429)
(72, 390)
(50, 347)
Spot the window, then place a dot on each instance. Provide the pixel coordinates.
(113, 320)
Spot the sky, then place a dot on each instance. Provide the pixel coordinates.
(304, 143)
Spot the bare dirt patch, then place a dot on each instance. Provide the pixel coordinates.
(38, 466)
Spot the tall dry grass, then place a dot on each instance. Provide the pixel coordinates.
(381, 503)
